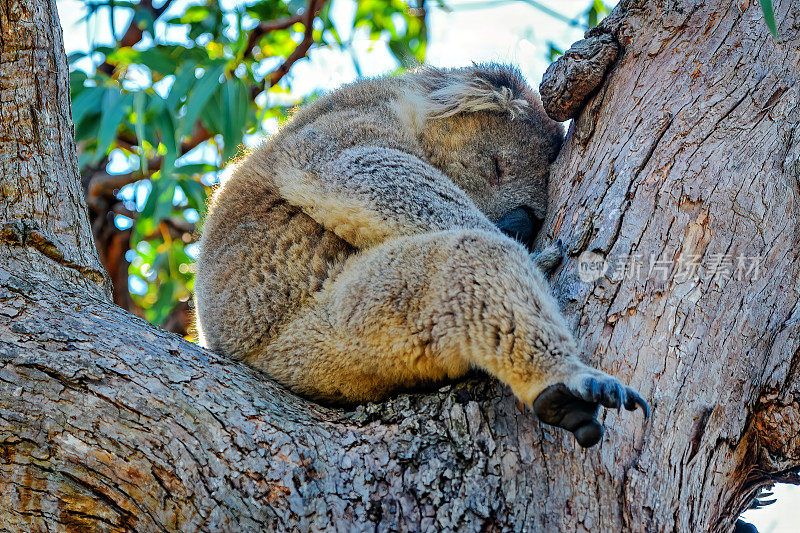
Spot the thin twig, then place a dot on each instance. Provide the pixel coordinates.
(270, 26)
(199, 135)
(314, 6)
(134, 33)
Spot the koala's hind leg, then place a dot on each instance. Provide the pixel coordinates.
(422, 308)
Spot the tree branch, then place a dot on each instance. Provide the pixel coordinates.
(314, 6)
(247, 448)
(268, 26)
(134, 33)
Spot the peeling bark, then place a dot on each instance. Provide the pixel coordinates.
(689, 150)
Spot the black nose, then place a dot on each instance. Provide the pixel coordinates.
(521, 224)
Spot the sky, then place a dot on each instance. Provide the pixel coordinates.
(476, 30)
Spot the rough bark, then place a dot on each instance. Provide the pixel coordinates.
(689, 148)
(43, 212)
(570, 80)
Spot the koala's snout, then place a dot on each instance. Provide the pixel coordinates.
(521, 224)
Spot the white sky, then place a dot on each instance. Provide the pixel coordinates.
(510, 31)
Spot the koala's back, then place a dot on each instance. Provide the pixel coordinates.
(261, 260)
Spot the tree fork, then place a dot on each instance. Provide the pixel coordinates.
(688, 148)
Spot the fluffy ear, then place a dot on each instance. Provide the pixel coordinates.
(489, 87)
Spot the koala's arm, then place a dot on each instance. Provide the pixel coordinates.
(369, 194)
(418, 309)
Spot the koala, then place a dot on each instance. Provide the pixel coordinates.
(380, 242)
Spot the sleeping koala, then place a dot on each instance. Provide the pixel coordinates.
(367, 247)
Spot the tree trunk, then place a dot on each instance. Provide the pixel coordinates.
(687, 155)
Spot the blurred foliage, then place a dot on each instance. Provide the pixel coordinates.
(173, 100)
(769, 16)
(596, 12)
(164, 105)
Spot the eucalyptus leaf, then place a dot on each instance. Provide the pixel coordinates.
(184, 79)
(198, 97)
(115, 106)
(769, 16)
(138, 106)
(85, 103)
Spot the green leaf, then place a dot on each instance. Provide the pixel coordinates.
(267, 10)
(192, 14)
(164, 303)
(86, 102)
(769, 16)
(235, 103)
(115, 107)
(553, 52)
(213, 116)
(596, 13)
(158, 187)
(197, 99)
(166, 128)
(138, 106)
(195, 194)
(112, 3)
(194, 169)
(77, 78)
(86, 130)
(184, 79)
(73, 57)
(163, 204)
(158, 59)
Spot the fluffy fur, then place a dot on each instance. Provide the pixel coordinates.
(356, 253)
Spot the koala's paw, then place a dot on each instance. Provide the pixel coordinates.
(549, 258)
(574, 406)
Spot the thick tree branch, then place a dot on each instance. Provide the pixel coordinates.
(571, 78)
(252, 455)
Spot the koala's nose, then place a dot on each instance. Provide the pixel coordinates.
(521, 224)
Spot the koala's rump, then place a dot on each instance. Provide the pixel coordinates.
(259, 265)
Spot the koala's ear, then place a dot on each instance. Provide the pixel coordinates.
(489, 87)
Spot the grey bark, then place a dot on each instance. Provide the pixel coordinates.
(689, 148)
(570, 80)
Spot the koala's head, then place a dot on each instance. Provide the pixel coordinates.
(487, 130)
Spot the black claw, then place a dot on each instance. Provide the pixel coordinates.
(644, 406)
(612, 395)
(635, 400)
(594, 390)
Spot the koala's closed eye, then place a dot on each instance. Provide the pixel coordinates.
(498, 171)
